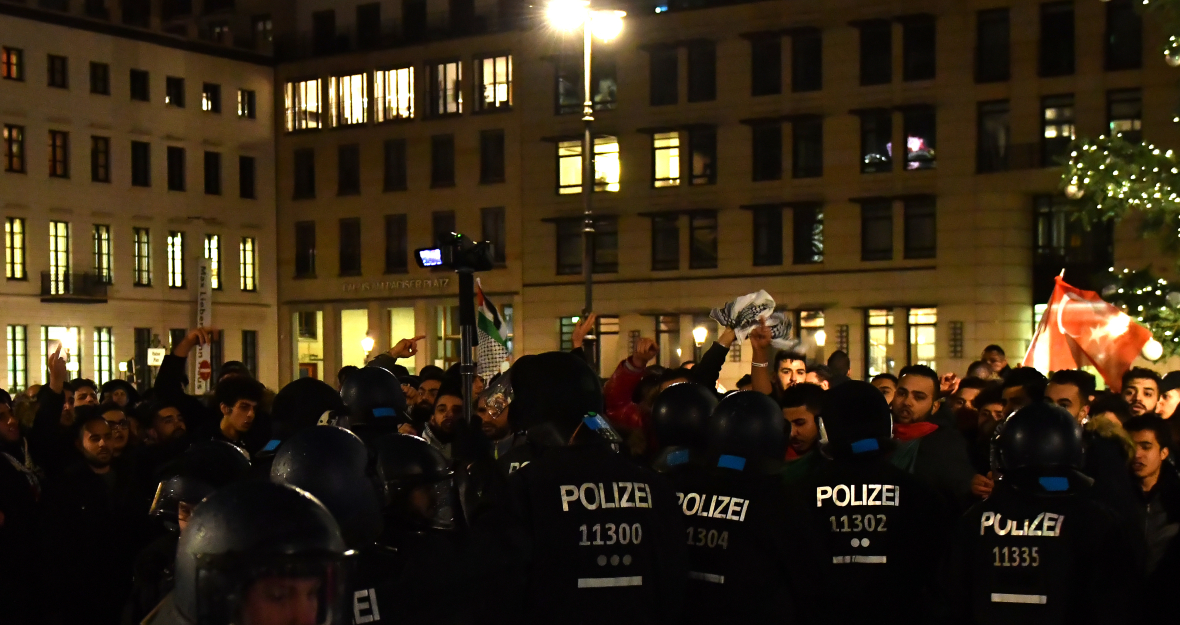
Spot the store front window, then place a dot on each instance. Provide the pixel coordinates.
(308, 330)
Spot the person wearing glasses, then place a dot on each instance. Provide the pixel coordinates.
(120, 423)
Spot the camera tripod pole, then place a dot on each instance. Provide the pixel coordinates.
(468, 341)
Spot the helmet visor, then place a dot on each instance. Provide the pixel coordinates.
(297, 589)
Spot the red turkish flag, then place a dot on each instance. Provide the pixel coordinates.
(1078, 329)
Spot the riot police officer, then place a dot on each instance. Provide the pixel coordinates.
(580, 535)
(376, 404)
(1041, 548)
(678, 417)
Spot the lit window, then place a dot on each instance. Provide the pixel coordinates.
(213, 253)
(176, 260)
(495, 82)
(247, 101)
(606, 165)
(304, 107)
(18, 360)
(102, 252)
(811, 330)
(14, 248)
(923, 336)
(249, 272)
(349, 99)
(211, 98)
(1058, 128)
(1124, 109)
(104, 356)
(448, 88)
(879, 331)
(13, 62)
(59, 257)
(666, 157)
(14, 148)
(143, 257)
(394, 91)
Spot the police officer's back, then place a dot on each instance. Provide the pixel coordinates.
(1040, 549)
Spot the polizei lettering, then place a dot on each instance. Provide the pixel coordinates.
(1045, 524)
(859, 495)
(713, 506)
(602, 496)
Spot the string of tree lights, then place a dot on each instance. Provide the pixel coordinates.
(1151, 301)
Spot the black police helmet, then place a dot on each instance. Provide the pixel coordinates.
(202, 469)
(856, 411)
(680, 414)
(330, 463)
(1040, 437)
(406, 463)
(299, 405)
(556, 389)
(747, 424)
(252, 530)
(373, 393)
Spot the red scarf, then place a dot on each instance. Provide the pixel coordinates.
(910, 431)
(792, 454)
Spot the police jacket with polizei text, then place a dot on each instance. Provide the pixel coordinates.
(410, 579)
(883, 536)
(1031, 555)
(581, 535)
(745, 547)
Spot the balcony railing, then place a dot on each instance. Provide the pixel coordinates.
(73, 287)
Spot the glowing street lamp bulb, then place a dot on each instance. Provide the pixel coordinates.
(606, 25)
(821, 337)
(367, 344)
(566, 14)
(699, 334)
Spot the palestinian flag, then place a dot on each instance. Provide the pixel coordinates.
(493, 348)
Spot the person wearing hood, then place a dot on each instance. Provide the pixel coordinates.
(120, 392)
(21, 483)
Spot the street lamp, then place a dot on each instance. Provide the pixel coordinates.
(367, 344)
(699, 334)
(605, 24)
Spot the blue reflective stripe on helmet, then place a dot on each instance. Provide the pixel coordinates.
(272, 445)
(677, 457)
(1054, 484)
(384, 412)
(865, 444)
(736, 463)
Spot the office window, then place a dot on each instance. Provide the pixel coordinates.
(368, 25)
(665, 147)
(176, 260)
(396, 244)
(323, 32)
(350, 247)
(13, 61)
(247, 103)
(304, 173)
(807, 68)
(212, 173)
(248, 271)
(665, 242)
(104, 356)
(767, 144)
(305, 249)
(100, 159)
(446, 88)
(876, 230)
(141, 164)
(665, 75)
(569, 247)
(808, 238)
(879, 342)
(876, 141)
(917, 41)
(1124, 113)
(59, 154)
(250, 350)
(100, 78)
(606, 165)
(568, 86)
(919, 128)
(263, 29)
(442, 225)
(59, 75)
(211, 97)
(140, 86)
(766, 66)
(174, 91)
(18, 359)
(702, 143)
(349, 99)
(442, 161)
(14, 148)
(176, 173)
(143, 256)
(876, 52)
(604, 246)
(1057, 128)
(702, 71)
(393, 90)
(807, 147)
(992, 137)
(921, 240)
(348, 169)
(213, 255)
(923, 348)
(304, 106)
(59, 257)
(702, 244)
(1124, 36)
(768, 236)
(219, 31)
(101, 237)
(491, 156)
(494, 228)
(495, 82)
(246, 177)
(14, 249)
(395, 165)
(1057, 39)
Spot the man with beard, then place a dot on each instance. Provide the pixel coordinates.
(1141, 389)
(446, 421)
(430, 380)
(930, 448)
(493, 420)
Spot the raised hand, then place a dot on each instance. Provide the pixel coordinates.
(406, 347)
(583, 327)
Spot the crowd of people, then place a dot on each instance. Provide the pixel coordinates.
(1004, 496)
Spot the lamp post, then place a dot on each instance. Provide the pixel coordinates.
(367, 344)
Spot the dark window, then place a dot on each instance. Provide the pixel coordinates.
(263, 29)
(766, 66)
(569, 247)
(246, 174)
(1124, 114)
(442, 224)
(141, 164)
(768, 236)
(368, 25)
(304, 173)
(876, 141)
(348, 169)
(665, 242)
(493, 224)
(876, 230)
(702, 143)
(140, 85)
(702, 71)
(918, 126)
(767, 142)
(920, 230)
(395, 164)
(992, 137)
(13, 61)
(568, 84)
(323, 31)
(59, 75)
(14, 148)
(174, 91)
(59, 154)
(604, 246)
(807, 223)
(100, 159)
(491, 156)
(143, 342)
(1124, 36)
(250, 350)
(702, 244)
(807, 61)
(100, 78)
(211, 97)
(442, 161)
(176, 177)
(807, 147)
(212, 173)
(665, 75)
(396, 244)
(177, 8)
(1057, 128)
(1061, 241)
(917, 41)
(305, 249)
(876, 52)
(350, 247)
(991, 45)
(414, 19)
(1057, 39)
